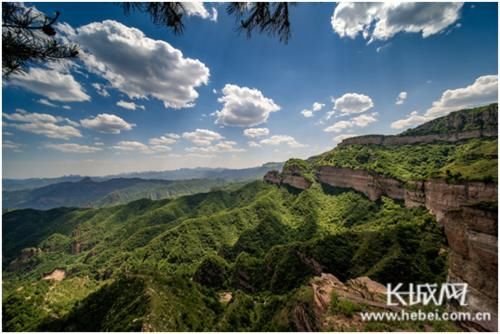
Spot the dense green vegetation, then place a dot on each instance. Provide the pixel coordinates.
(240, 257)
(136, 262)
(474, 159)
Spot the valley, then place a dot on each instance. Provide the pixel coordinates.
(305, 249)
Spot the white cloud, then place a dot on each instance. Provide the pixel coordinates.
(310, 112)
(256, 132)
(22, 115)
(253, 144)
(339, 126)
(73, 148)
(202, 137)
(129, 105)
(135, 146)
(139, 66)
(401, 98)
(47, 103)
(223, 146)
(381, 21)
(101, 90)
(244, 106)
(483, 90)
(197, 8)
(317, 106)
(10, 145)
(281, 139)
(360, 121)
(54, 85)
(364, 120)
(66, 107)
(163, 140)
(413, 119)
(307, 113)
(339, 138)
(353, 103)
(41, 124)
(107, 123)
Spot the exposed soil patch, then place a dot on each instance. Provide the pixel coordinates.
(57, 275)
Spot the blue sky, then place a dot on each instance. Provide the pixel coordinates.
(351, 69)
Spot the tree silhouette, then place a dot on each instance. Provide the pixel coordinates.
(28, 37)
(271, 18)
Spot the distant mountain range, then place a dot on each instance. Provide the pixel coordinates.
(227, 174)
(79, 191)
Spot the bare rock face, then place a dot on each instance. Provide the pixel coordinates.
(290, 176)
(273, 177)
(368, 183)
(471, 229)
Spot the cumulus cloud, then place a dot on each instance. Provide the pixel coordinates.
(136, 146)
(282, 139)
(164, 140)
(139, 66)
(413, 119)
(101, 90)
(310, 112)
(381, 21)
(10, 145)
(197, 8)
(482, 91)
(107, 123)
(223, 146)
(364, 120)
(253, 144)
(401, 98)
(256, 132)
(360, 121)
(307, 113)
(41, 124)
(46, 102)
(339, 126)
(243, 106)
(339, 138)
(73, 148)
(202, 137)
(353, 103)
(129, 105)
(54, 85)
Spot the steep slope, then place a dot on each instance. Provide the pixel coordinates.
(269, 242)
(453, 174)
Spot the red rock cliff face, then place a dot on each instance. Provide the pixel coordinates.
(368, 183)
(470, 230)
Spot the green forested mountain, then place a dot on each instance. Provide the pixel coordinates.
(239, 258)
(89, 193)
(127, 267)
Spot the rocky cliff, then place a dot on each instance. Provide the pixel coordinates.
(459, 125)
(418, 139)
(291, 176)
(468, 213)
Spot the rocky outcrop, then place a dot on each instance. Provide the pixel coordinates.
(57, 275)
(418, 139)
(292, 177)
(273, 177)
(26, 259)
(470, 226)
